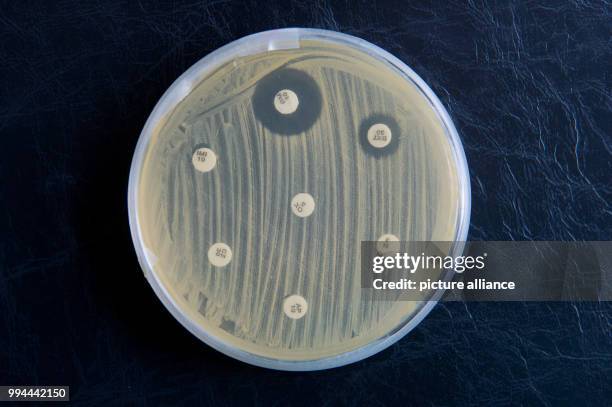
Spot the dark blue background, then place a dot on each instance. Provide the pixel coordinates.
(527, 84)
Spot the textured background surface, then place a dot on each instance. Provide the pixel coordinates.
(528, 85)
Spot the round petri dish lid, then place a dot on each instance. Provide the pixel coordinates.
(260, 172)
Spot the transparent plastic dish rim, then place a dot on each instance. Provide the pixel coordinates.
(288, 38)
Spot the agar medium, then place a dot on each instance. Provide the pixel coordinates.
(260, 172)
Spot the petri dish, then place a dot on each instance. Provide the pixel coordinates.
(259, 173)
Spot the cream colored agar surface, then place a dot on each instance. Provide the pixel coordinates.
(204, 159)
(413, 191)
(379, 135)
(295, 306)
(303, 205)
(219, 254)
(286, 101)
